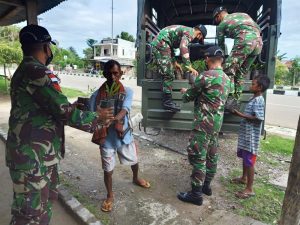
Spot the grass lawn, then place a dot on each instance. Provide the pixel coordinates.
(3, 90)
(69, 92)
(277, 145)
(265, 206)
(73, 93)
(276, 148)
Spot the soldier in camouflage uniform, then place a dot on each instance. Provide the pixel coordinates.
(35, 142)
(247, 44)
(168, 39)
(209, 93)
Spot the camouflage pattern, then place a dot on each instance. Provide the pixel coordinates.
(165, 67)
(247, 46)
(203, 156)
(35, 139)
(168, 39)
(34, 193)
(209, 93)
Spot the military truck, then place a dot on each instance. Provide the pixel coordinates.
(154, 15)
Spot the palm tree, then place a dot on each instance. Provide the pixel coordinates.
(280, 56)
(90, 42)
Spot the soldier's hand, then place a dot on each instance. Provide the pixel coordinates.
(78, 105)
(183, 90)
(194, 72)
(105, 115)
(178, 67)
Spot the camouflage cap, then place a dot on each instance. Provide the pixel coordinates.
(34, 34)
(214, 51)
(218, 10)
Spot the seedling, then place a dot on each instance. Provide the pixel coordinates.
(113, 89)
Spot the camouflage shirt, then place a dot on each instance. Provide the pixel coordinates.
(234, 25)
(177, 36)
(209, 94)
(38, 114)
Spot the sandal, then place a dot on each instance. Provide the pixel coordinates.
(107, 206)
(244, 195)
(237, 180)
(142, 183)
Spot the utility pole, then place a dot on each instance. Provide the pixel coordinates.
(112, 27)
(39, 20)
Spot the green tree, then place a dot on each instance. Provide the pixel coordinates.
(9, 33)
(281, 72)
(90, 42)
(9, 53)
(89, 52)
(280, 56)
(126, 36)
(293, 77)
(73, 52)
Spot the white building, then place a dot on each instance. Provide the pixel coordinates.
(121, 50)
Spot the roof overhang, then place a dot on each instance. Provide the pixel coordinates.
(15, 11)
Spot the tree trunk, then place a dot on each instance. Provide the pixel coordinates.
(5, 78)
(291, 205)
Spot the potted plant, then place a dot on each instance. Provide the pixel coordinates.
(112, 97)
(256, 69)
(83, 103)
(198, 65)
(152, 71)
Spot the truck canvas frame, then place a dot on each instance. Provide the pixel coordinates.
(154, 15)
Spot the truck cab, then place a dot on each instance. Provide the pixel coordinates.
(153, 15)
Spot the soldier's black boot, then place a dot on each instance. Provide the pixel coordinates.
(168, 103)
(194, 196)
(206, 189)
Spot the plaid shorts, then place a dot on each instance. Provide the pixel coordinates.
(249, 159)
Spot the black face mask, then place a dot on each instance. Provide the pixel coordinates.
(195, 40)
(50, 58)
(206, 66)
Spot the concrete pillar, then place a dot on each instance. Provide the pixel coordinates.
(31, 12)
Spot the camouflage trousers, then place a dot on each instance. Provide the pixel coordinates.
(163, 59)
(34, 193)
(203, 156)
(237, 65)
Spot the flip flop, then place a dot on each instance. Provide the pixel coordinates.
(144, 184)
(243, 195)
(237, 180)
(107, 206)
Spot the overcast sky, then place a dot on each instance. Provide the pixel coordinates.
(74, 21)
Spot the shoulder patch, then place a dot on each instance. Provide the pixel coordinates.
(35, 71)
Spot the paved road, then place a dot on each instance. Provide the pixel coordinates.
(281, 110)
(88, 84)
(60, 215)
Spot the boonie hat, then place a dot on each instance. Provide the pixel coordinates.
(34, 34)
